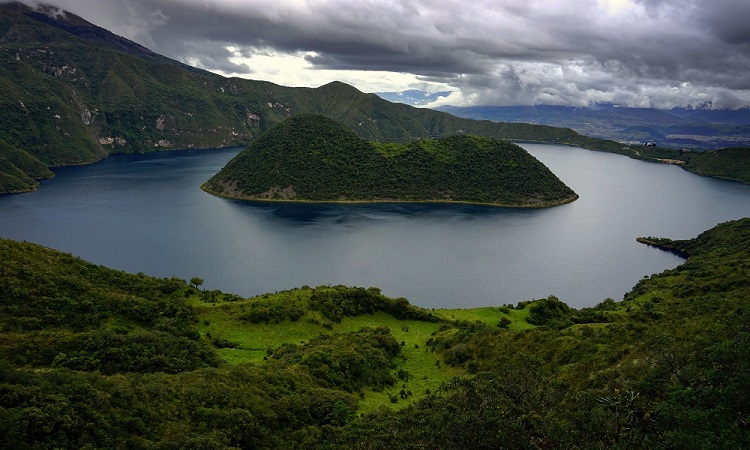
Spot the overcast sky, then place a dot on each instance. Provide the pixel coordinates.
(640, 53)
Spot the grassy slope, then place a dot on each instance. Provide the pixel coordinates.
(252, 342)
(55, 306)
(58, 310)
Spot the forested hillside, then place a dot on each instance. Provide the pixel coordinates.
(729, 163)
(312, 158)
(73, 93)
(97, 358)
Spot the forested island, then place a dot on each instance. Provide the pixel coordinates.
(92, 357)
(312, 158)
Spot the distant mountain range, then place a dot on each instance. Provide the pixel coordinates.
(701, 129)
(694, 128)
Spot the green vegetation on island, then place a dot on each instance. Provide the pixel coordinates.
(312, 158)
(97, 358)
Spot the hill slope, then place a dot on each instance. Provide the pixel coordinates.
(311, 157)
(73, 93)
(730, 163)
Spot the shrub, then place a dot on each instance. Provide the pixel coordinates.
(549, 311)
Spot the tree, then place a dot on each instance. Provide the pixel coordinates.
(196, 282)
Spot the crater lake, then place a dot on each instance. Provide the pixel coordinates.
(146, 213)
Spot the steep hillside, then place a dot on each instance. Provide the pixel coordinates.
(19, 170)
(70, 100)
(73, 93)
(312, 158)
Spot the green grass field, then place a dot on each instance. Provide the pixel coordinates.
(223, 321)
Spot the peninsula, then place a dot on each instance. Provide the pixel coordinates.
(313, 158)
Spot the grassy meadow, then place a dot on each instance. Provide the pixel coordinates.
(225, 321)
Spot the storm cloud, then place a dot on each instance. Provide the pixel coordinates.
(643, 53)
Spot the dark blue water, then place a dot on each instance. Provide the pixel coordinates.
(147, 214)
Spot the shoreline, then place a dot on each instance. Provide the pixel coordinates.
(385, 201)
(663, 247)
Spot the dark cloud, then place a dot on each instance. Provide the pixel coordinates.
(728, 20)
(638, 52)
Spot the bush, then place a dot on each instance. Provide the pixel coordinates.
(549, 311)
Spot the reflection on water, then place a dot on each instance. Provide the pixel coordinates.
(350, 213)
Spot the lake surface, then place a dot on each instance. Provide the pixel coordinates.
(146, 213)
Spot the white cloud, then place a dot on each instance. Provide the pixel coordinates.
(294, 69)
